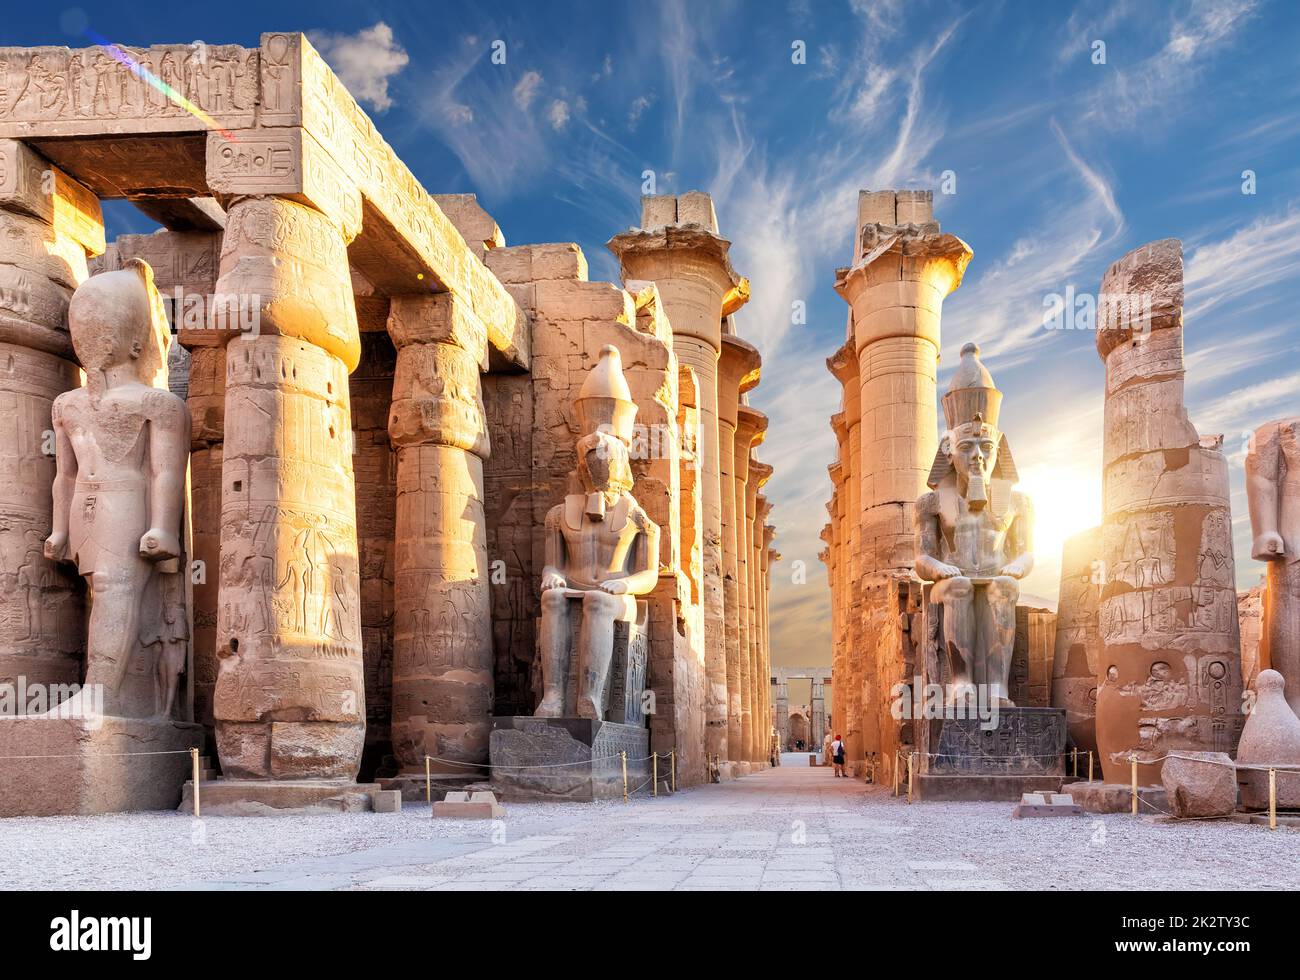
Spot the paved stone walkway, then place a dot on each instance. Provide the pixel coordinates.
(795, 827)
(800, 828)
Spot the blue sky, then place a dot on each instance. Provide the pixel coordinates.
(1061, 166)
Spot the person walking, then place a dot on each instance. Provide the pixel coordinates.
(837, 756)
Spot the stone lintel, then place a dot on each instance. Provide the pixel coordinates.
(479, 229)
(183, 213)
(30, 184)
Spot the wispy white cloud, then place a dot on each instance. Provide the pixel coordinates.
(364, 61)
(526, 89)
(558, 114)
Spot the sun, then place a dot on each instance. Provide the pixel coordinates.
(1065, 503)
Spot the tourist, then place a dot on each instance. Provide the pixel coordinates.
(837, 756)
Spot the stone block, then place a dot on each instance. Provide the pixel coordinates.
(696, 208)
(32, 185)
(386, 800)
(572, 759)
(88, 766)
(460, 805)
(1046, 805)
(658, 210)
(1200, 784)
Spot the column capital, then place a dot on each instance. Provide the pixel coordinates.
(739, 365)
(751, 430)
(759, 472)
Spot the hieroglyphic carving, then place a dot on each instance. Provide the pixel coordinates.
(52, 91)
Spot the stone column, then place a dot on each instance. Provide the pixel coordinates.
(678, 248)
(48, 225)
(738, 370)
(1170, 668)
(442, 637)
(751, 425)
(290, 700)
(759, 473)
(770, 556)
(844, 526)
(847, 427)
(903, 268)
(206, 398)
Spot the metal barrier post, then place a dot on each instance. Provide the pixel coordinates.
(624, 756)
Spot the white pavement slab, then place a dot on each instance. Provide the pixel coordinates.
(790, 828)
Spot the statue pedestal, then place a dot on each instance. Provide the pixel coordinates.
(571, 759)
(1022, 753)
(82, 766)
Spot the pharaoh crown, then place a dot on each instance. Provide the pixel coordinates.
(605, 403)
(971, 394)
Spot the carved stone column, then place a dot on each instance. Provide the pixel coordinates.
(290, 699)
(48, 225)
(1169, 674)
(738, 372)
(442, 642)
(678, 248)
(751, 425)
(902, 270)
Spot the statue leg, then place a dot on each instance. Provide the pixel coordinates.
(113, 634)
(958, 598)
(1003, 593)
(556, 654)
(600, 611)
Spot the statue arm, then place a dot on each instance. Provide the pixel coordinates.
(646, 574)
(926, 521)
(1020, 539)
(553, 540)
(1262, 474)
(65, 484)
(169, 434)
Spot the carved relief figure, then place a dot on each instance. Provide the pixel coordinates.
(601, 547)
(974, 536)
(121, 451)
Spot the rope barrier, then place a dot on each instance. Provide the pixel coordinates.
(96, 755)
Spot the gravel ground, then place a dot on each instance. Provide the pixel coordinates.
(788, 828)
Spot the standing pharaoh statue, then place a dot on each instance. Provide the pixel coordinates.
(974, 537)
(1273, 493)
(122, 445)
(601, 549)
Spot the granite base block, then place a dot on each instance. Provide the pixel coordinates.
(570, 759)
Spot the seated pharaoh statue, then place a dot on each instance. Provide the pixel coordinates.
(122, 447)
(974, 538)
(602, 551)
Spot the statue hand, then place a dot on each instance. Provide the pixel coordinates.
(1014, 570)
(614, 586)
(157, 544)
(943, 570)
(1268, 545)
(56, 546)
(553, 581)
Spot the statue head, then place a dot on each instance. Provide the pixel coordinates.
(603, 465)
(117, 319)
(973, 448)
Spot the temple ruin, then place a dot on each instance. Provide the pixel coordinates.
(382, 402)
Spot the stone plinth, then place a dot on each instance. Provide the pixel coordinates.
(89, 766)
(1024, 742)
(1253, 784)
(568, 759)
